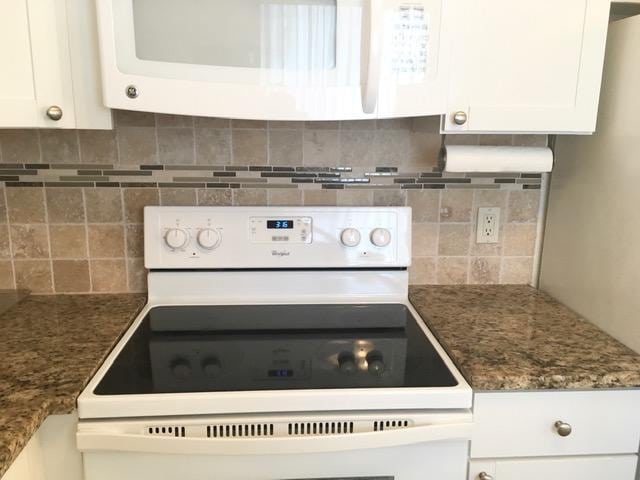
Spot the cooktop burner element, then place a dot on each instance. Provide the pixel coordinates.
(275, 347)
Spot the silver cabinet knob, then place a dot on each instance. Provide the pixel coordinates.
(460, 118)
(484, 476)
(54, 112)
(563, 429)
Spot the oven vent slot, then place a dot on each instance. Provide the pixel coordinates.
(381, 425)
(319, 428)
(247, 430)
(165, 431)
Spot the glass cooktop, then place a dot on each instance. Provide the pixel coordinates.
(275, 347)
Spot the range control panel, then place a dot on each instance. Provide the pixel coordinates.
(276, 237)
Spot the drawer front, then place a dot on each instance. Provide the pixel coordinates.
(522, 424)
(621, 467)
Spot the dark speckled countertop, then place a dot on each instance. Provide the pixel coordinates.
(51, 346)
(511, 337)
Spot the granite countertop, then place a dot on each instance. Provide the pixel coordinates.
(512, 337)
(8, 298)
(51, 346)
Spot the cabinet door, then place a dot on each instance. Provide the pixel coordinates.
(36, 73)
(522, 66)
(621, 467)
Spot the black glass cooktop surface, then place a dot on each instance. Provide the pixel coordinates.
(275, 347)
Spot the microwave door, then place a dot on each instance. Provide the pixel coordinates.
(263, 59)
(414, 71)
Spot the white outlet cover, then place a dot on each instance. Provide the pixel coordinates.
(488, 229)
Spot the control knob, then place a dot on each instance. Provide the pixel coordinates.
(375, 364)
(208, 238)
(181, 368)
(380, 237)
(176, 238)
(347, 363)
(211, 367)
(350, 237)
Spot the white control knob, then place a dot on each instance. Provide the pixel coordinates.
(208, 238)
(350, 237)
(380, 237)
(176, 238)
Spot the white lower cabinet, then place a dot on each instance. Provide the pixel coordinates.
(555, 435)
(51, 454)
(622, 467)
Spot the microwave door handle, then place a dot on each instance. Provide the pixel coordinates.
(372, 34)
(125, 442)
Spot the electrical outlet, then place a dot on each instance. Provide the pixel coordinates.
(488, 225)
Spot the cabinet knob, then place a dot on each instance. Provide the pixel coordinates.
(484, 476)
(563, 429)
(54, 112)
(460, 118)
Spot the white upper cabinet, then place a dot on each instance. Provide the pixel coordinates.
(527, 66)
(275, 59)
(36, 74)
(37, 79)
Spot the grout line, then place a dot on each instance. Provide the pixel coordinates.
(193, 139)
(6, 213)
(231, 153)
(155, 132)
(79, 147)
(268, 134)
(48, 223)
(117, 142)
(437, 255)
(40, 157)
(86, 240)
(124, 223)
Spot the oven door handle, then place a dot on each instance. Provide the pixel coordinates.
(103, 440)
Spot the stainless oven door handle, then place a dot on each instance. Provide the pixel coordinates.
(103, 440)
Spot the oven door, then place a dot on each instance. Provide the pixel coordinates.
(272, 59)
(309, 449)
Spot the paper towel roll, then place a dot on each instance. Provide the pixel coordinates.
(469, 159)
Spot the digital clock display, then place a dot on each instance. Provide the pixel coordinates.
(279, 224)
(280, 373)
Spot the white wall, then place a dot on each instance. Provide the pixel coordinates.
(591, 257)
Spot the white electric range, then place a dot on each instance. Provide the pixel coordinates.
(277, 343)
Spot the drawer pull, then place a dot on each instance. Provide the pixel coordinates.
(484, 476)
(563, 429)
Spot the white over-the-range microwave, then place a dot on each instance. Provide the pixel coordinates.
(276, 59)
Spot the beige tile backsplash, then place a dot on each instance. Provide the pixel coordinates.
(77, 240)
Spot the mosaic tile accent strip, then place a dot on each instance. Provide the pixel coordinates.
(225, 176)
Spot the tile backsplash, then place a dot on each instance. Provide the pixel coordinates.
(71, 200)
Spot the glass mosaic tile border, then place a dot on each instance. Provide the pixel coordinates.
(253, 176)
